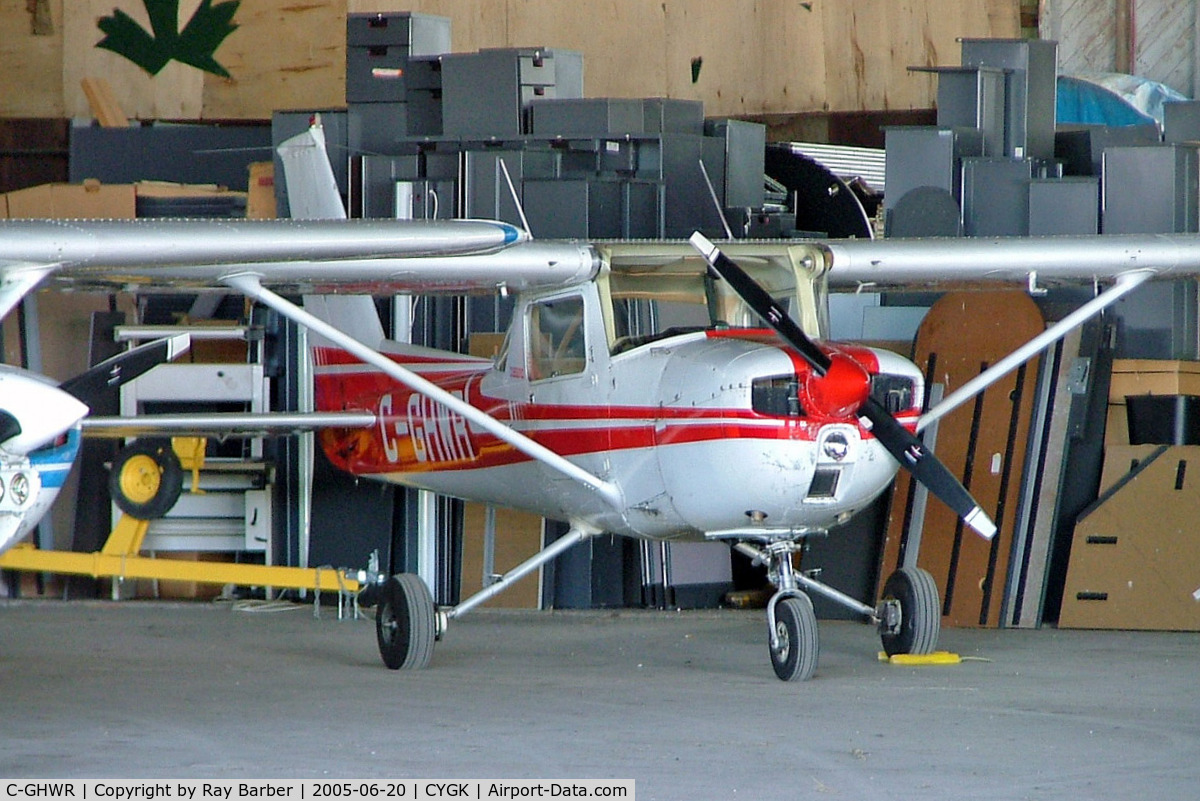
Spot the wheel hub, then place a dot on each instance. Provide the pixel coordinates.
(783, 642)
(140, 478)
(890, 616)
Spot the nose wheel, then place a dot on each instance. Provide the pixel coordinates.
(791, 622)
(908, 616)
(794, 642)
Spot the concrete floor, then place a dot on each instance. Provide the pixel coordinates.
(684, 703)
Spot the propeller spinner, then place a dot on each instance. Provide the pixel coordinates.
(833, 384)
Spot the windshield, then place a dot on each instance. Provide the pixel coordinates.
(658, 289)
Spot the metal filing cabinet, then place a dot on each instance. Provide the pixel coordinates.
(485, 192)
(922, 156)
(574, 209)
(393, 78)
(375, 179)
(1181, 121)
(972, 97)
(586, 117)
(1031, 86)
(379, 48)
(669, 115)
(488, 93)
(1064, 206)
(744, 146)
(995, 196)
(1150, 190)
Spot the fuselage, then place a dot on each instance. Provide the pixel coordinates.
(707, 433)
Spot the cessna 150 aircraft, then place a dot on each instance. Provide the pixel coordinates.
(742, 424)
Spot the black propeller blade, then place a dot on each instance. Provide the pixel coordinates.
(904, 446)
(126, 366)
(763, 304)
(914, 457)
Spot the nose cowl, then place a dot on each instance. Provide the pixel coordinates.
(841, 391)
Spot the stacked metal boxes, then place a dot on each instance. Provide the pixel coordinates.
(394, 77)
(991, 153)
(432, 133)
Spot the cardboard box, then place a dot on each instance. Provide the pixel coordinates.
(260, 201)
(1145, 377)
(88, 200)
(179, 589)
(1153, 377)
(1135, 557)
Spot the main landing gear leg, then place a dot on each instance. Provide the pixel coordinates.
(407, 623)
(908, 617)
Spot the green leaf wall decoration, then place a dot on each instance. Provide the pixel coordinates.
(194, 45)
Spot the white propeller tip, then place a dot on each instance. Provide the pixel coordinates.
(702, 243)
(978, 520)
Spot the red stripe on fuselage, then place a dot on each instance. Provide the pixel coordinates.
(417, 435)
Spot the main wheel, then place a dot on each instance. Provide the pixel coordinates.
(920, 612)
(795, 656)
(405, 623)
(146, 479)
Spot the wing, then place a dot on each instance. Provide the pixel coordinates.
(945, 263)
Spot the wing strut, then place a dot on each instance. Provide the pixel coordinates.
(249, 285)
(17, 284)
(1126, 283)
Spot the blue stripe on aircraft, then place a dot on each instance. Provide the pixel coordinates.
(54, 464)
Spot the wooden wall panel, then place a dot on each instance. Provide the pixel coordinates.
(175, 93)
(31, 63)
(625, 59)
(282, 56)
(759, 56)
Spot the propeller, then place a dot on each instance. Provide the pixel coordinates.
(127, 365)
(840, 385)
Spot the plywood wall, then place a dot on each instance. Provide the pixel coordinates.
(758, 56)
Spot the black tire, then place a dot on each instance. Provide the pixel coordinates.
(405, 623)
(920, 612)
(146, 479)
(795, 658)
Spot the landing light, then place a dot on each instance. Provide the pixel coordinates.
(836, 446)
(20, 488)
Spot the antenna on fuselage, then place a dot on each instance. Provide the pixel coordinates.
(712, 193)
(516, 199)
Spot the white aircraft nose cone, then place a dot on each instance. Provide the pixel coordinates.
(42, 409)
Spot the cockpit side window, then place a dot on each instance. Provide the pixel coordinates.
(556, 338)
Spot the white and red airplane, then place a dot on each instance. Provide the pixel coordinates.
(658, 390)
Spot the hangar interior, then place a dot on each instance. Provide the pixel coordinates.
(422, 134)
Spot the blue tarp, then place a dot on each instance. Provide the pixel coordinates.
(1111, 99)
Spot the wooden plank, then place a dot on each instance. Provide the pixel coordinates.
(518, 537)
(104, 104)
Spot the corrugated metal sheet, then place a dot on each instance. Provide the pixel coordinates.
(1163, 33)
(847, 162)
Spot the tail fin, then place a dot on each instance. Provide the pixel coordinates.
(312, 190)
(313, 195)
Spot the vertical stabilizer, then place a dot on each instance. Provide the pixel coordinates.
(313, 195)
